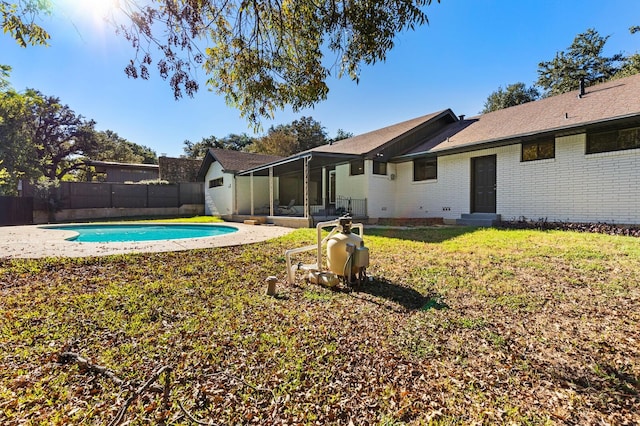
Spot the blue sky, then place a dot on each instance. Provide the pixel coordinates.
(468, 50)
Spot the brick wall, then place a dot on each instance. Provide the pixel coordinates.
(572, 187)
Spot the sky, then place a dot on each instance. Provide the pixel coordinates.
(469, 49)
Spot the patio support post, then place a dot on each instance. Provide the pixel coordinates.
(234, 192)
(324, 190)
(306, 186)
(270, 191)
(251, 191)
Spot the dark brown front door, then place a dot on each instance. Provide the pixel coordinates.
(483, 184)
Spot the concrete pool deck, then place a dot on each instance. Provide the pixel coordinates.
(35, 241)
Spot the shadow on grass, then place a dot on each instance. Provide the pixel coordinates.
(605, 378)
(406, 297)
(436, 234)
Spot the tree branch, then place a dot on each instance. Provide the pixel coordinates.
(139, 391)
(84, 363)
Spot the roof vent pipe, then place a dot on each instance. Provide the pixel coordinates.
(581, 87)
(461, 117)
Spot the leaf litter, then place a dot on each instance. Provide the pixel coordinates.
(457, 327)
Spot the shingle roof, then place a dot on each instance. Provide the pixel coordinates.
(367, 142)
(603, 102)
(235, 161)
(117, 164)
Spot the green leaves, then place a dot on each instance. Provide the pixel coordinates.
(263, 56)
(287, 139)
(583, 59)
(17, 150)
(260, 55)
(513, 94)
(18, 20)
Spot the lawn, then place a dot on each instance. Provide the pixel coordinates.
(458, 326)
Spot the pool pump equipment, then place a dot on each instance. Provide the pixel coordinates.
(347, 256)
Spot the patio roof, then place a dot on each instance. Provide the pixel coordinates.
(291, 164)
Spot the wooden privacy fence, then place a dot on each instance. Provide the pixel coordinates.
(16, 210)
(85, 195)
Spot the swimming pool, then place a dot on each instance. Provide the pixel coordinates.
(110, 233)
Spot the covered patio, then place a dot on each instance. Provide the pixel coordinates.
(296, 191)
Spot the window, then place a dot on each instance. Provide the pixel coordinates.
(356, 167)
(614, 140)
(379, 167)
(215, 182)
(425, 169)
(538, 150)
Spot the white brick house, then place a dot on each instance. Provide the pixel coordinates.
(573, 158)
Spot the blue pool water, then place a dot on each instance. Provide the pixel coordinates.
(142, 232)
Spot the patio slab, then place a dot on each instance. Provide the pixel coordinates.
(34, 241)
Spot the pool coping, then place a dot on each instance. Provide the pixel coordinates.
(35, 241)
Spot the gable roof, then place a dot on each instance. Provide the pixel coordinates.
(382, 144)
(602, 103)
(234, 161)
(377, 140)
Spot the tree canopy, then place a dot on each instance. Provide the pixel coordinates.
(60, 137)
(287, 139)
(340, 135)
(260, 55)
(232, 141)
(41, 137)
(4, 175)
(112, 147)
(17, 152)
(583, 59)
(512, 95)
(263, 56)
(631, 66)
(18, 18)
(284, 140)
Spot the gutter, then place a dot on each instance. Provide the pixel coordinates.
(296, 157)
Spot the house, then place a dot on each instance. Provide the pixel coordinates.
(112, 171)
(574, 157)
(225, 194)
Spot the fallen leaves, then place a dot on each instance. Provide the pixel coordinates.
(457, 327)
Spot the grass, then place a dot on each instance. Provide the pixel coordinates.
(458, 326)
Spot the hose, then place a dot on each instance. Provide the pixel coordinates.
(344, 270)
